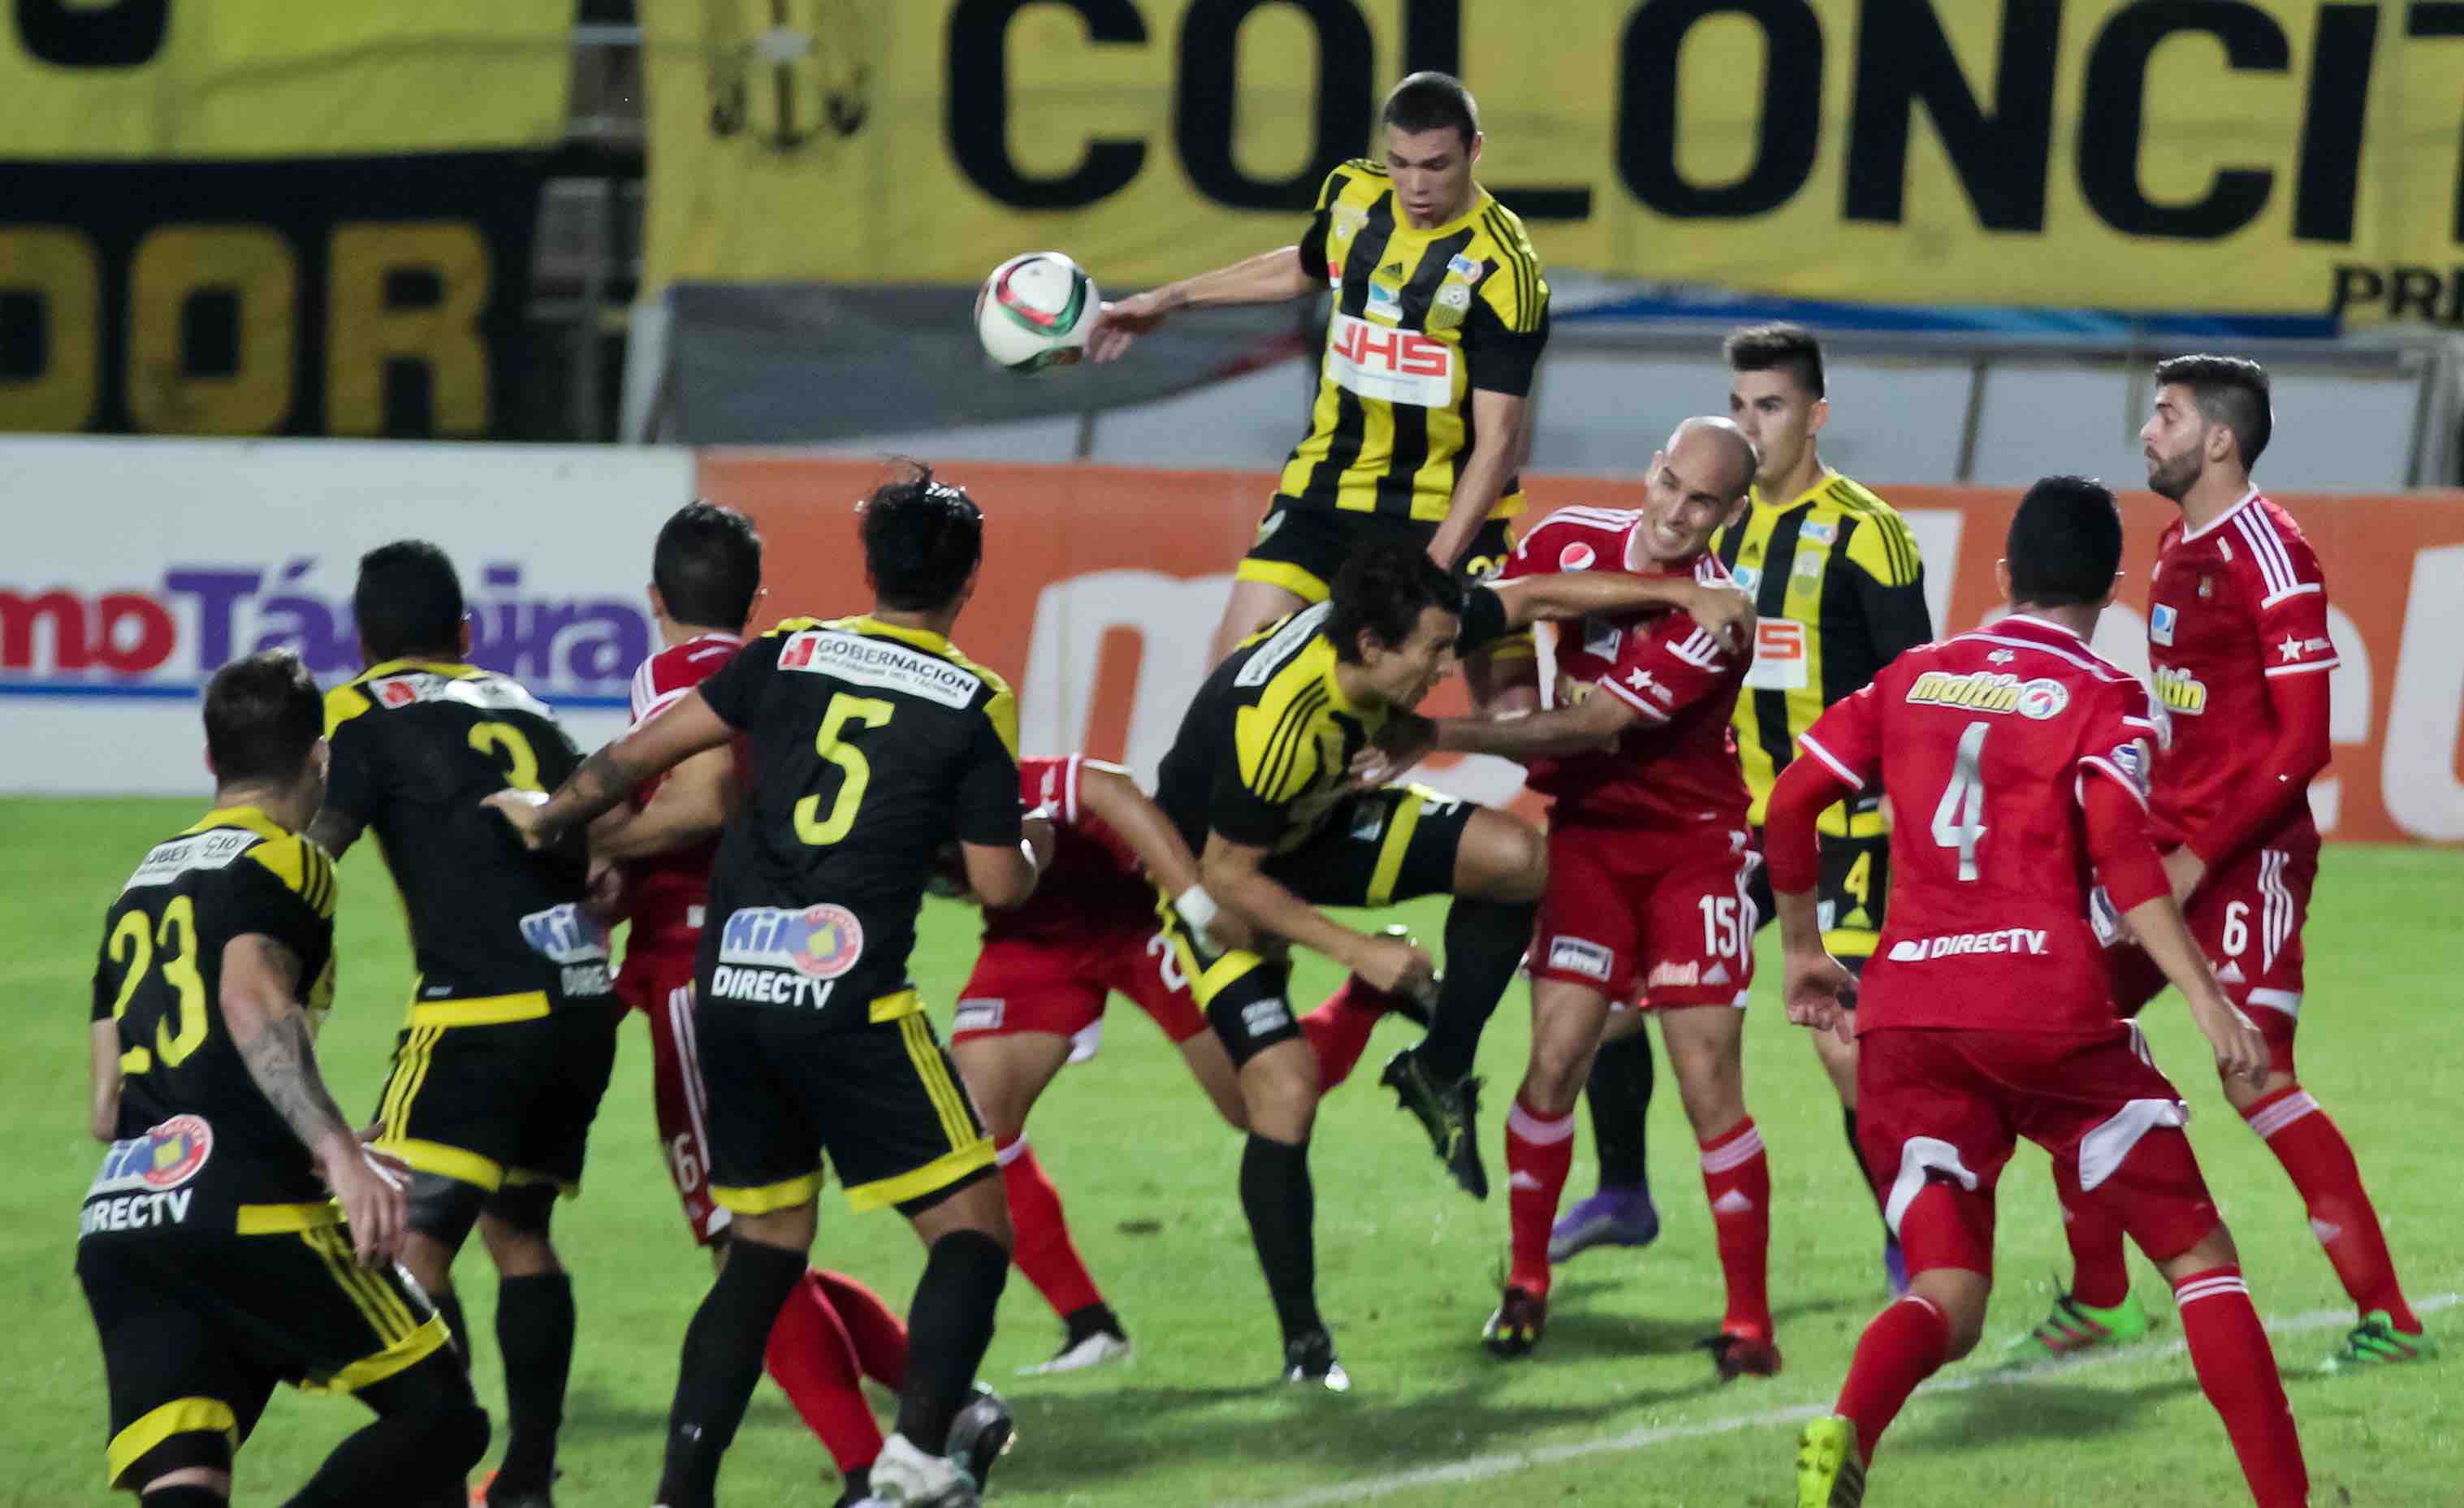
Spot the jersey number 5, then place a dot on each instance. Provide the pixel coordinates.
(1959, 821)
(132, 944)
(854, 771)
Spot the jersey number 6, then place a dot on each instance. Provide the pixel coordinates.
(854, 773)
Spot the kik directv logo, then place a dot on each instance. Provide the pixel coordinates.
(820, 941)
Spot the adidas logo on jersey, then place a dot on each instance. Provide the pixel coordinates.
(2230, 973)
(1717, 973)
(1393, 268)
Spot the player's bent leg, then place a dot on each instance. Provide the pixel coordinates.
(1006, 1073)
(429, 1434)
(1212, 1067)
(1252, 605)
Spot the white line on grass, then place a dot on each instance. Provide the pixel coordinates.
(1480, 1468)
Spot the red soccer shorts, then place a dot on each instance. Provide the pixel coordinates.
(1951, 1104)
(2247, 918)
(659, 983)
(1029, 985)
(1660, 919)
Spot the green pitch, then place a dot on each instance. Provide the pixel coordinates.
(1616, 1406)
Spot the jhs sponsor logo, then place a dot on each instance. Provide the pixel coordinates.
(1394, 366)
(1952, 945)
(2181, 691)
(1576, 956)
(562, 934)
(1990, 691)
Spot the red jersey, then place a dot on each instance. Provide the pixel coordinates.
(1094, 884)
(1992, 737)
(666, 894)
(1676, 767)
(2231, 605)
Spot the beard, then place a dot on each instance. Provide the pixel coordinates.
(2173, 476)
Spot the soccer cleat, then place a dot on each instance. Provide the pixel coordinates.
(1093, 1349)
(484, 1495)
(1735, 1355)
(1895, 1267)
(905, 1477)
(2074, 1327)
(1828, 1472)
(982, 1434)
(1450, 1113)
(856, 1490)
(1610, 1217)
(2376, 1341)
(1309, 1361)
(1515, 1328)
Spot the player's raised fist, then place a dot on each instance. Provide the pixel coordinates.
(521, 810)
(1394, 965)
(1119, 322)
(1726, 611)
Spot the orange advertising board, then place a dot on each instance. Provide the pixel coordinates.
(1102, 586)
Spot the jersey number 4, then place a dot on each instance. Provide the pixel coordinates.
(855, 772)
(132, 942)
(1959, 820)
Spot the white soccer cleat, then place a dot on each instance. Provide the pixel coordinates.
(905, 1477)
(1094, 1351)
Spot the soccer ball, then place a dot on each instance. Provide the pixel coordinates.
(1035, 311)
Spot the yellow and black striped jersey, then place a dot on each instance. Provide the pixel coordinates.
(1840, 590)
(198, 1147)
(1422, 318)
(1264, 751)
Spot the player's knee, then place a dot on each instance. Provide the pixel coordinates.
(1959, 1295)
(2206, 1254)
(1554, 1077)
(452, 1439)
(1510, 859)
(1282, 1102)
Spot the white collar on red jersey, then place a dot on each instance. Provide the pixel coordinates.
(2218, 521)
(2031, 621)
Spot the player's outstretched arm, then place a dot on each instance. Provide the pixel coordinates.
(690, 807)
(609, 775)
(1727, 612)
(260, 1005)
(1498, 426)
(1112, 793)
(103, 1081)
(1269, 277)
(1816, 989)
(1234, 877)
(1596, 720)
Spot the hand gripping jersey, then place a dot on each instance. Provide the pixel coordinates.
(1677, 766)
(869, 746)
(1094, 884)
(1990, 739)
(416, 745)
(667, 891)
(199, 1148)
(2237, 603)
(1421, 318)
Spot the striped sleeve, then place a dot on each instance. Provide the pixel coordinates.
(1514, 289)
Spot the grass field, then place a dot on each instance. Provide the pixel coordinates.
(1617, 1408)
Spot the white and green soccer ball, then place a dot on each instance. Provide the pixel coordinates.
(1035, 311)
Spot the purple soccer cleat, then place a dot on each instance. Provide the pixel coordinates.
(1895, 1267)
(1613, 1216)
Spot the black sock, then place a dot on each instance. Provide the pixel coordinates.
(534, 1333)
(430, 1432)
(1282, 1208)
(1856, 1155)
(1485, 940)
(721, 1361)
(1094, 1319)
(948, 1327)
(1620, 1093)
(191, 1496)
(449, 1308)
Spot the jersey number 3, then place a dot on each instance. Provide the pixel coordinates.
(132, 942)
(855, 772)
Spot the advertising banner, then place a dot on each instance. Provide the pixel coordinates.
(138, 567)
(2268, 156)
(1102, 587)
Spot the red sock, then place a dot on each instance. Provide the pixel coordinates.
(1338, 1031)
(1044, 1250)
(1737, 1178)
(879, 1334)
(2320, 1163)
(1539, 1152)
(813, 1361)
(2099, 1280)
(1901, 1348)
(2236, 1369)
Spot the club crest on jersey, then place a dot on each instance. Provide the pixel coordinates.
(2180, 691)
(1746, 576)
(2159, 624)
(2043, 698)
(820, 941)
(1450, 307)
(162, 1159)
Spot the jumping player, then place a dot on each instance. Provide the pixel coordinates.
(2017, 759)
(1649, 863)
(2237, 638)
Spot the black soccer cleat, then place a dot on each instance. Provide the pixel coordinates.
(1515, 1328)
(982, 1433)
(1309, 1361)
(1450, 1113)
(1735, 1355)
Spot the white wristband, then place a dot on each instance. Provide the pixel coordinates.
(1198, 909)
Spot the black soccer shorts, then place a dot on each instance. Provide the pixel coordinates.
(1849, 898)
(197, 1328)
(1301, 548)
(879, 1096)
(1395, 844)
(497, 1092)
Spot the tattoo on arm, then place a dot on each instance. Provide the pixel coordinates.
(272, 1034)
(334, 830)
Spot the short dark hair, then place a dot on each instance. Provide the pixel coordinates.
(407, 602)
(1761, 347)
(1383, 589)
(1428, 100)
(707, 566)
(2065, 543)
(922, 538)
(2229, 391)
(262, 716)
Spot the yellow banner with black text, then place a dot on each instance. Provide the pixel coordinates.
(2267, 156)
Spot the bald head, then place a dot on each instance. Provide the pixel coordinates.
(1714, 454)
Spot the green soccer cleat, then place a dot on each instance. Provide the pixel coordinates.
(2074, 1327)
(2375, 1342)
(1828, 1472)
